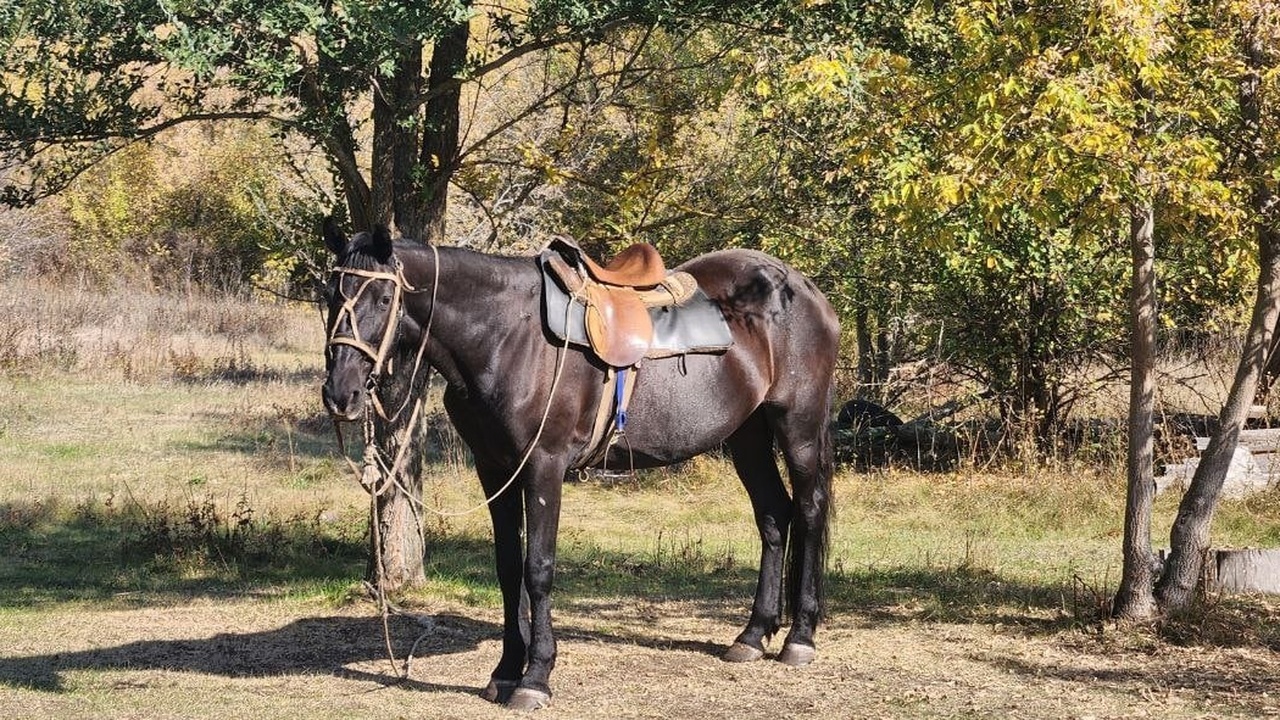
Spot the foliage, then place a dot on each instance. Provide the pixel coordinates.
(969, 167)
(955, 175)
(208, 208)
(1027, 314)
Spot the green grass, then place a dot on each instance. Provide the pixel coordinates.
(145, 495)
(193, 480)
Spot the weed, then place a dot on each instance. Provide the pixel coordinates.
(187, 365)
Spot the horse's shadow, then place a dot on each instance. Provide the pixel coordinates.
(308, 646)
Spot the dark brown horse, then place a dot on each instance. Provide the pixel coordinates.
(770, 391)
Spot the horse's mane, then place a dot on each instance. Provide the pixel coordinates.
(362, 253)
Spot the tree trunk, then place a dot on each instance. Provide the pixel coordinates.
(884, 359)
(1189, 538)
(395, 135)
(419, 211)
(1134, 600)
(426, 209)
(397, 537)
(866, 355)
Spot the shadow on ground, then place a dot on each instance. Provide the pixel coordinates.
(317, 645)
(59, 554)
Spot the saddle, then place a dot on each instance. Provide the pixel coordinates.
(639, 266)
(619, 295)
(624, 311)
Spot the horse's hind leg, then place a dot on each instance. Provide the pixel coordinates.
(751, 447)
(506, 511)
(804, 438)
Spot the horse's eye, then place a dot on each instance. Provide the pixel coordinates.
(385, 301)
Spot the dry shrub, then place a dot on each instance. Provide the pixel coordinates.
(140, 334)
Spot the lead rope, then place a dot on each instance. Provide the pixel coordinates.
(373, 463)
(367, 476)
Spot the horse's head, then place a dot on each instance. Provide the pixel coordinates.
(366, 301)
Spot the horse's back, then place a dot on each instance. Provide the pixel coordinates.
(757, 291)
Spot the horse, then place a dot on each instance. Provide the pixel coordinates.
(477, 318)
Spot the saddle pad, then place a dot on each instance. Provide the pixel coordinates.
(696, 326)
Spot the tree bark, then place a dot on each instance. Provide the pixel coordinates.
(397, 538)
(1134, 600)
(417, 197)
(395, 135)
(438, 157)
(1189, 538)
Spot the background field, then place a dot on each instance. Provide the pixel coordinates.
(179, 538)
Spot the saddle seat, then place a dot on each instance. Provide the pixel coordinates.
(638, 266)
(618, 296)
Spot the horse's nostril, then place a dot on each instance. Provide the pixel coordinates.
(341, 402)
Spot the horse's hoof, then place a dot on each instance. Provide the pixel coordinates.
(740, 652)
(499, 691)
(527, 699)
(796, 655)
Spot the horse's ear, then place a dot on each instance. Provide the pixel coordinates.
(380, 245)
(333, 237)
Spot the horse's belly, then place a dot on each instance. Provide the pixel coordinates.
(685, 407)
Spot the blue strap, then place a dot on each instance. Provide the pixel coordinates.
(619, 410)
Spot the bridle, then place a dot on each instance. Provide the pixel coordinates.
(348, 311)
(395, 313)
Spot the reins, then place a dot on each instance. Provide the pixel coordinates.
(374, 464)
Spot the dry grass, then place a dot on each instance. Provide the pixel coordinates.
(141, 336)
(973, 593)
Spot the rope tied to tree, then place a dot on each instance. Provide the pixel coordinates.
(374, 474)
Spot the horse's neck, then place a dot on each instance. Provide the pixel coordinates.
(478, 298)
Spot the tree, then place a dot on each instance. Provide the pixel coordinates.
(1044, 125)
(1189, 537)
(377, 86)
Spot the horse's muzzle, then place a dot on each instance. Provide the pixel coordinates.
(343, 404)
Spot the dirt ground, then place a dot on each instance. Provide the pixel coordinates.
(268, 658)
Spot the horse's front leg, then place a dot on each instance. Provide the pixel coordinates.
(542, 492)
(506, 512)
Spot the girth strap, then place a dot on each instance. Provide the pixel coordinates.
(611, 416)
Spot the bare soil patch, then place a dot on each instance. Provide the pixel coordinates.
(625, 659)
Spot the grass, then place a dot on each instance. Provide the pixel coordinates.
(147, 460)
(175, 534)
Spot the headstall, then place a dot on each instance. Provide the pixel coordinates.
(377, 354)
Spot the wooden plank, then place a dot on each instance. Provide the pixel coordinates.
(1249, 570)
(1266, 440)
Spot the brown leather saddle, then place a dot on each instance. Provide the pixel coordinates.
(626, 310)
(638, 266)
(619, 295)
